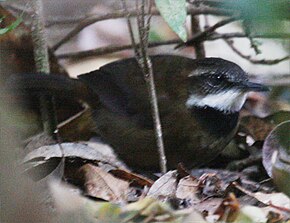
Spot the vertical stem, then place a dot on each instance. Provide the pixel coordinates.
(144, 62)
(195, 28)
(41, 58)
(149, 76)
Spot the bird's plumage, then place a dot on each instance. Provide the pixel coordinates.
(192, 135)
(199, 102)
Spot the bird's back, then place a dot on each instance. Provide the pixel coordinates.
(125, 119)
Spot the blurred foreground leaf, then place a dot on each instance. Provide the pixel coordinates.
(276, 156)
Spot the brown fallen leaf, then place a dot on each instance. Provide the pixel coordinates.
(103, 185)
(132, 178)
(259, 128)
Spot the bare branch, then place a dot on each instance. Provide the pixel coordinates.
(198, 46)
(207, 32)
(133, 13)
(63, 21)
(110, 49)
(144, 62)
(113, 49)
(41, 58)
(250, 59)
(129, 24)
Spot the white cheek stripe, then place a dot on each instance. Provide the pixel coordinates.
(229, 101)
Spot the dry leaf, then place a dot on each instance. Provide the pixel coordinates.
(187, 188)
(132, 178)
(165, 186)
(100, 184)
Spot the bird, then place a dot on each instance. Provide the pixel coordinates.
(199, 103)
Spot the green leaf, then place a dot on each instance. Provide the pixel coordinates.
(174, 13)
(10, 27)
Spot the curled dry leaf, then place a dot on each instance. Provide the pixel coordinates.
(100, 184)
(94, 151)
(165, 186)
(40, 162)
(276, 156)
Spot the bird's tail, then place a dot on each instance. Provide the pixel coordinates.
(51, 85)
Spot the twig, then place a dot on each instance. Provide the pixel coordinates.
(63, 21)
(116, 48)
(110, 49)
(144, 62)
(198, 46)
(207, 32)
(121, 14)
(130, 27)
(254, 195)
(41, 58)
(250, 59)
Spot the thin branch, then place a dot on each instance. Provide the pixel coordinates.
(207, 32)
(250, 59)
(130, 27)
(198, 46)
(144, 62)
(110, 49)
(133, 13)
(63, 21)
(41, 58)
(113, 49)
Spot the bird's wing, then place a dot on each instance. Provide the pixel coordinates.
(122, 89)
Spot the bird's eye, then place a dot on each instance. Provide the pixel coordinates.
(214, 81)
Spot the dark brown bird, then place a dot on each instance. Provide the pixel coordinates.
(199, 102)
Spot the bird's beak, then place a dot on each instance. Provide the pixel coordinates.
(251, 86)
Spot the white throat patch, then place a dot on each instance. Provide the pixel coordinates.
(227, 101)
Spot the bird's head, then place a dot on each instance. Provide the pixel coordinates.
(219, 84)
